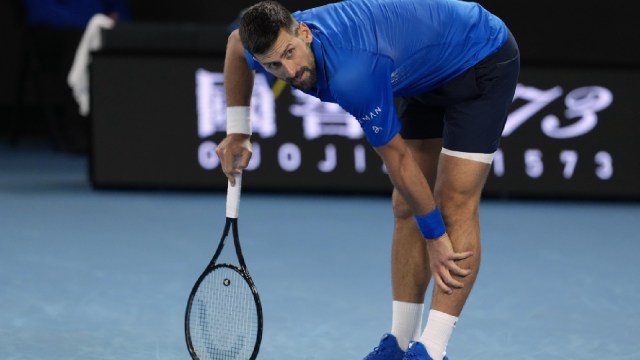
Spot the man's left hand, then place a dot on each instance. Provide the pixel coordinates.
(442, 260)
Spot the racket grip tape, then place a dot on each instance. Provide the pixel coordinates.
(233, 197)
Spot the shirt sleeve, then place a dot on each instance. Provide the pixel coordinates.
(362, 87)
(120, 7)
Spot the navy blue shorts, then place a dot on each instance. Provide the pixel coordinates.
(469, 112)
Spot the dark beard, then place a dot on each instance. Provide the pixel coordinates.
(306, 84)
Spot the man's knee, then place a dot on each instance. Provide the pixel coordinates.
(459, 186)
(457, 203)
(401, 210)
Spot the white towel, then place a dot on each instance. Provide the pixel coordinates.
(78, 78)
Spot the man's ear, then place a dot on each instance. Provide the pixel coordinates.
(305, 32)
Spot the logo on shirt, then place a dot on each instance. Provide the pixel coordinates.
(376, 129)
(372, 114)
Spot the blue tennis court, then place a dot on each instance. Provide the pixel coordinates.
(88, 274)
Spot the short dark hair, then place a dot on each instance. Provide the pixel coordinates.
(261, 23)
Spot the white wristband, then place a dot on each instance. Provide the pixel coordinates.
(239, 120)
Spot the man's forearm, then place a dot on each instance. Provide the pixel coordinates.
(238, 77)
(406, 176)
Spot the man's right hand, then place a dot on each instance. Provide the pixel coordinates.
(234, 153)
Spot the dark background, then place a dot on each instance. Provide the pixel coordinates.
(575, 33)
(573, 40)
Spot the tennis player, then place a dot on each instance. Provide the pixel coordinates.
(454, 68)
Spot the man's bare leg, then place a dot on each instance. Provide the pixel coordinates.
(410, 272)
(458, 190)
(410, 263)
(457, 187)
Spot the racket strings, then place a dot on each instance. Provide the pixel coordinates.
(224, 317)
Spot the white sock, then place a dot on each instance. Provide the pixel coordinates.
(437, 333)
(406, 322)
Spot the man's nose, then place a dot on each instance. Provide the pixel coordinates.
(289, 68)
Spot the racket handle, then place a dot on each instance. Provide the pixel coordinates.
(233, 198)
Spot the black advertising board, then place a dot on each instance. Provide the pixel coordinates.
(158, 119)
(572, 132)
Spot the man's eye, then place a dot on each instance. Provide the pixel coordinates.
(289, 52)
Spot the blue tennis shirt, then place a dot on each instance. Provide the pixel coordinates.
(368, 51)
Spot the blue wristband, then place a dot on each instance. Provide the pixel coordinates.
(431, 225)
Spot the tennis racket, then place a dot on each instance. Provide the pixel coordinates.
(223, 320)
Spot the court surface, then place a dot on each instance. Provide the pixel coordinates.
(88, 274)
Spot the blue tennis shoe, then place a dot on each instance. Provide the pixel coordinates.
(388, 349)
(417, 351)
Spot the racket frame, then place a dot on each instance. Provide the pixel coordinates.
(233, 195)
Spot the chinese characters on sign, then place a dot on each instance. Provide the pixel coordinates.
(212, 104)
(320, 119)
